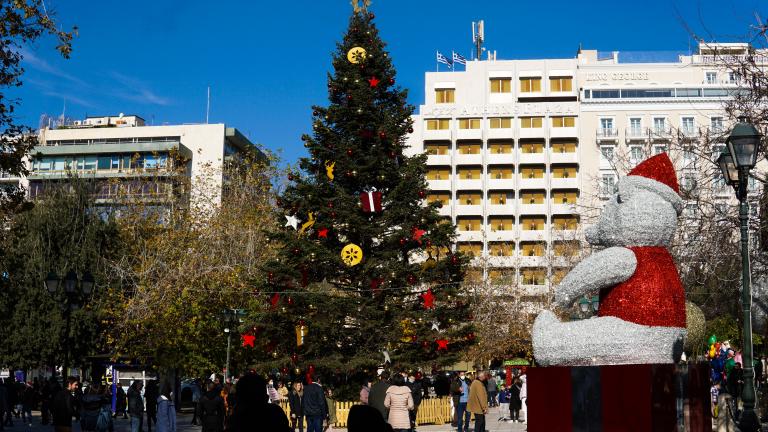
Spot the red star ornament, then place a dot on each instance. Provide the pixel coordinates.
(429, 299)
(373, 81)
(417, 234)
(442, 344)
(248, 340)
(322, 233)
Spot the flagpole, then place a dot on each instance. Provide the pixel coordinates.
(437, 62)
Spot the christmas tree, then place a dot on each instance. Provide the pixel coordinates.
(366, 274)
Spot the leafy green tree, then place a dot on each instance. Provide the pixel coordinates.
(350, 312)
(61, 232)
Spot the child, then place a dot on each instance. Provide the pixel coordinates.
(715, 391)
(503, 402)
(331, 409)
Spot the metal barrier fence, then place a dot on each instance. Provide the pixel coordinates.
(431, 411)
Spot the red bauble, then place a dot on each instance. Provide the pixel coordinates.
(392, 155)
(290, 301)
(349, 152)
(428, 243)
(391, 81)
(296, 251)
(371, 15)
(454, 260)
(403, 241)
(425, 344)
(333, 215)
(270, 277)
(284, 370)
(294, 358)
(414, 338)
(311, 368)
(349, 97)
(279, 202)
(470, 336)
(382, 135)
(290, 177)
(330, 204)
(410, 130)
(422, 194)
(411, 279)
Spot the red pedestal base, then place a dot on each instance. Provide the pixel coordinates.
(627, 398)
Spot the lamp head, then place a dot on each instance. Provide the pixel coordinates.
(52, 282)
(744, 144)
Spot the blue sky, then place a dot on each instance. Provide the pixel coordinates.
(266, 62)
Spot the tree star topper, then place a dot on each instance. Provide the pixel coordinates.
(248, 340)
(357, 7)
(429, 299)
(292, 221)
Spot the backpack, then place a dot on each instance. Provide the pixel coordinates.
(103, 420)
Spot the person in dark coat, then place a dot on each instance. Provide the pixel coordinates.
(314, 405)
(64, 406)
(253, 412)
(120, 402)
(378, 393)
(91, 407)
(136, 406)
(150, 396)
(416, 394)
(365, 418)
(11, 400)
(211, 409)
(297, 410)
(515, 403)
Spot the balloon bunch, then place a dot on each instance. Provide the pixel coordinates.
(722, 358)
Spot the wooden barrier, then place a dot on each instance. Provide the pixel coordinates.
(431, 411)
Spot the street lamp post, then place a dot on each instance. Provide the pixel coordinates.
(232, 318)
(735, 164)
(74, 298)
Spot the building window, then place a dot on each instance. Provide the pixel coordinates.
(500, 147)
(607, 184)
(443, 198)
(564, 147)
(566, 248)
(716, 124)
(564, 196)
(635, 126)
(563, 121)
(438, 124)
(500, 172)
(443, 173)
(531, 122)
(606, 154)
(659, 125)
(468, 173)
(533, 223)
(658, 149)
(501, 249)
(501, 223)
(499, 197)
(469, 198)
(433, 148)
(636, 154)
(500, 122)
(532, 197)
(531, 172)
(533, 248)
(531, 147)
(533, 276)
(469, 123)
(688, 183)
(606, 124)
(687, 124)
(501, 85)
(564, 171)
(469, 148)
(444, 95)
(711, 77)
(469, 223)
(561, 84)
(470, 248)
(530, 85)
(565, 222)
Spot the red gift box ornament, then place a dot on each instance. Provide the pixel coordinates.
(371, 201)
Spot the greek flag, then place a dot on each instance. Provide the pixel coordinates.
(443, 59)
(459, 59)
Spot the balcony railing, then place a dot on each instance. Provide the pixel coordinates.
(728, 59)
(608, 133)
(636, 133)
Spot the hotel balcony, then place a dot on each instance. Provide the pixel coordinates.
(499, 158)
(532, 261)
(444, 210)
(473, 236)
(661, 133)
(501, 210)
(532, 132)
(534, 290)
(533, 235)
(636, 134)
(471, 134)
(494, 183)
(468, 184)
(532, 158)
(501, 261)
(439, 160)
(502, 236)
(469, 210)
(439, 184)
(532, 209)
(468, 159)
(564, 132)
(557, 157)
(607, 134)
(565, 183)
(563, 209)
(500, 134)
(441, 134)
(531, 183)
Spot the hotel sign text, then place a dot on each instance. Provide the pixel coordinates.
(523, 109)
(617, 76)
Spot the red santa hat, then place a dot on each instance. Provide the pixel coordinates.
(657, 174)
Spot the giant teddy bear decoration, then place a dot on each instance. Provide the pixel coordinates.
(642, 301)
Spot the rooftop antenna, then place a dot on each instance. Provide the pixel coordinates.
(208, 106)
(478, 36)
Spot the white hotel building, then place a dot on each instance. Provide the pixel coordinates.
(518, 149)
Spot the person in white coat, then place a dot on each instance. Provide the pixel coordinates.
(166, 411)
(523, 397)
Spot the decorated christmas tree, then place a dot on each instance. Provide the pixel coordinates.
(367, 274)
